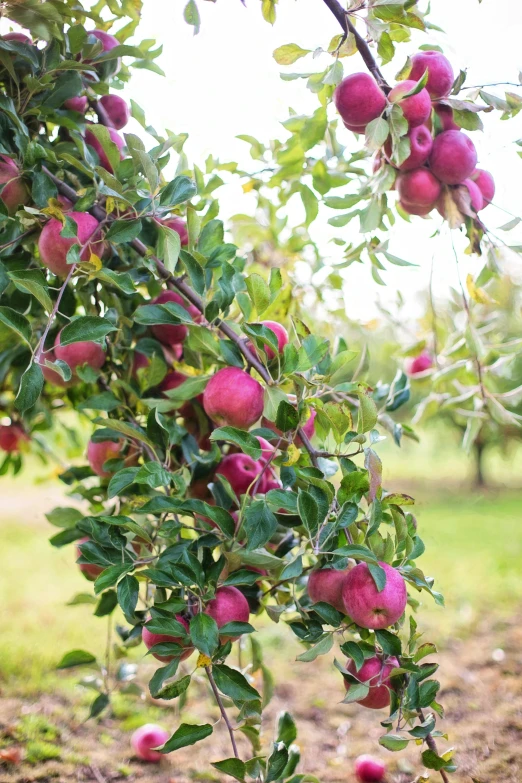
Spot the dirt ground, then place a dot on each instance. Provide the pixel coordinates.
(481, 691)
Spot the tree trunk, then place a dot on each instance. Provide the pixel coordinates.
(480, 479)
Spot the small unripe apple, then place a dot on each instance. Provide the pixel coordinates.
(79, 103)
(145, 739)
(416, 108)
(326, 585)
(359, 99)
(453, 157)
(376, 674)
(94, 142)
(440, 73)
(77, 354)
(172, 334)
(117, 110)
(445, 115)
(368, 607)
(282, 339)
(420, 363)
(421, 142)
(17, 37)
(53, 247)
(369, 769)
(485, 183)
(232, 397)
(241, 471)
(179, 225)
(150, 639)
(99, 452)
(229, 605)
(91, 571)
(418, 187)
(11, 436)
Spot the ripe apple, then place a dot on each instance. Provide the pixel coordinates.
(77, 354)
(179, 225)
(421, 142)
(108, 43)
(416, 108)
(17, 37)
(368, 607)
(440, 73)
(145, 739)
(150, 639)
(369, 769)
(282, 339)
(232, 397)
(53, 247)
(116, 109)
(418, 187)
(326, 585)
(359, 99)
(416, 209)
(79, 103)
(95, 143)
(453, 157)
(241, 471)
(11, 436)
(445, 115)
(172, 334)
(376, 673)
(229, 605)
(14, 191)
(485, 183)
(91, 571)
(99, 452)
(420, 363)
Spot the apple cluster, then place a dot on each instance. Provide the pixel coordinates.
(439, 162)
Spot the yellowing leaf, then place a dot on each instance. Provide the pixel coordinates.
(203, 660)
(293, 454)
(289, 53)
(248, 186)
(477, 294)
(95, 261)
(53, 209)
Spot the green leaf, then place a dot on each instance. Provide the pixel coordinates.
(174, 689)
(76, 658)
(367, 415)
(120, 481)
(321, 648)
(171, 247)
(286, 729)
(33, 281)
(128, 594)
(122, 231)
(232, 683)
(260, 524)
(86, 327)
(235, 628)
(393, 742)
(30, 388)
(191, 16)
(99, 704)
(18, 323)
(233, 767)
(64, 516)
(289, 53)
(153, 474)
(390, 643)
(186, 734)
(181, 189)
(204, 634)
(259, 292)
(377, 131)
(247, 442)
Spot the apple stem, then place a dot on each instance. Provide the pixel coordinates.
(343, 17)
(222, 710)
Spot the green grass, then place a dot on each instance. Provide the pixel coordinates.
(473, 549)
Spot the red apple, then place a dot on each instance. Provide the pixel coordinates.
(440, 73)
(368, 607)
(94, 142)
(420, 363)
(17, 37)
(150, 639)
(11, 436)
(326, 585)
(485, 183)
(145, 739)
(99, 452)
(421, 142)
(172, 334)
(453, 157)
(416, 108)
(14, 191)
(376, 673)
(232, 397)
(79, 103)
(369, 769)
(416, 209)
(229, 605)
(91, 571)
(241, 471)
(359, 99)
(53, 247)
(281, 335)
(179, 225)
(418, 187)
(77, 354)
(445, 115)
(116, 109)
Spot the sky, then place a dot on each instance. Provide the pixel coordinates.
(224, 82)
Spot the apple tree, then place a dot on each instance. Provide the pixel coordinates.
(232, 468)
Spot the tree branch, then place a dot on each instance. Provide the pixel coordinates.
(343, 17)
(222, 710)
(432, 745)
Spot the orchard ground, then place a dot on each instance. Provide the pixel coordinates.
(474, 549)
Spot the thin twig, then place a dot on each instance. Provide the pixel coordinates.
(17, 239)
(222, 710)
(432, 745)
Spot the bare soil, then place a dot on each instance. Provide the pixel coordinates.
(481, 691)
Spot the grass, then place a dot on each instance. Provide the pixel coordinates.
(473, 549)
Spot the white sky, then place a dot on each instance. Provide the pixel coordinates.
(224, 82)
